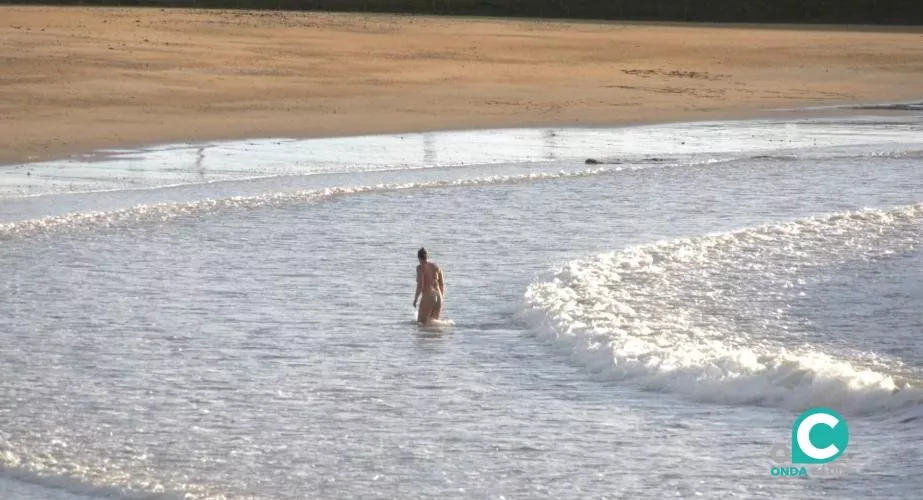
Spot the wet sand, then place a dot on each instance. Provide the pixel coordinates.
(79, 79)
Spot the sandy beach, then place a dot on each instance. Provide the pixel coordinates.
(78, 79)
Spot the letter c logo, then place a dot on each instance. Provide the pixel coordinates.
(819, 436)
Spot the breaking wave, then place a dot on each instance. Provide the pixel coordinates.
(705, 317)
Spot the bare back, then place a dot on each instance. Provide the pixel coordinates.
(432, 276)
(431, 286)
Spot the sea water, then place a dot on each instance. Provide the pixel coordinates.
(235, 320)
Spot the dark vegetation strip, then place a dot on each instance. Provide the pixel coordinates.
(882, 12)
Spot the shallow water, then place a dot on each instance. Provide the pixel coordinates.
(235, 319)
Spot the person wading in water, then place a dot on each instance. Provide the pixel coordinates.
(430, 290)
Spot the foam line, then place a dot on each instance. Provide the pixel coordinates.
(166, 211)
(697, 316)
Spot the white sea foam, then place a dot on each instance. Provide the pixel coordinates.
(699, 316)
(166, 211)
(438, 324)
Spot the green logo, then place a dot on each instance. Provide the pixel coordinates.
(819, 436)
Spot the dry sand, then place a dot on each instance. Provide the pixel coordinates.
(76, 79)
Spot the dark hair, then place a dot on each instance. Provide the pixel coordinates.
(421, 254)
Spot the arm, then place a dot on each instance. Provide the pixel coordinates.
(441, 282)
(416, 294)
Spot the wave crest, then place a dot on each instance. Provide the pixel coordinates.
(166, 211)
(702, 316)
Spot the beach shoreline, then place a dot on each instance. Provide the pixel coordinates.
(87, 79)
